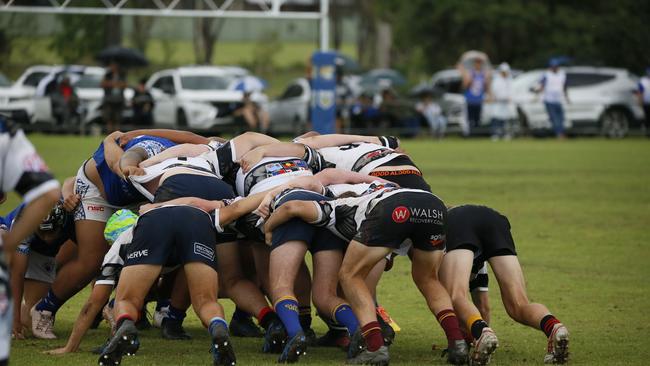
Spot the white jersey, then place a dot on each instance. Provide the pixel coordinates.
(359, 157)
(554, 83)
(269, 173)
(23, 171)
(114, 259)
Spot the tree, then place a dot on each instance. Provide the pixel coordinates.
(81, 37)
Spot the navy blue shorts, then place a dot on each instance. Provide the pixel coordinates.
(317, 238)
(173, 235)
(200, 186)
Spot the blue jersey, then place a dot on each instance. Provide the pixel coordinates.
(11, 216)
(120, 192)
(476, 89)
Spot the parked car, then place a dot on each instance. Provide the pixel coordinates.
(289, 114)
(4, 81)
(17, 100)
(602, 101)
(195, 96)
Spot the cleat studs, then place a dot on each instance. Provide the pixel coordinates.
(125, 337)
(225, 343)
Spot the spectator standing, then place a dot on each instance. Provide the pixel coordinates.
(501, 97)
(475, 84)
(65, 101)
(644, 99)
(343, 96)
(364, 115)
(554, 87)
(113, 84)
(142, 105)
(432, 113)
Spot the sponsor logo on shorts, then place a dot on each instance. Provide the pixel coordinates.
(204, 251)
(417, 215)
(96, 208)
(138, 254)
(401, 214)
(437, 239)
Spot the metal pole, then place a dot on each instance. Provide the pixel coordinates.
(324, 25)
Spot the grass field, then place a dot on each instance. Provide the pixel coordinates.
(580, 212)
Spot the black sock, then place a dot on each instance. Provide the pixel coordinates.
(268, 318)
(304, 316)
(477, 328)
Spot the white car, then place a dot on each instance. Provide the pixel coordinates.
(601, 99)
(17, 100)
(195, 96)
(290, 112)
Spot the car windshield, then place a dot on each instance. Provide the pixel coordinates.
(204, 82)
(4, 81)
(89, 81)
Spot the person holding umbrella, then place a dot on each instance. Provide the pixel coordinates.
(475, 84)
(114, 83)
(250, 109)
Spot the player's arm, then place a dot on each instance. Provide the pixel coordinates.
(240, 207)
(98, 297)
(304, 210)
(188, 150)
(30, 217)
(331, 176)
(321, 141)
(249, 141)
(179, 137)
(130, 160)
(113, 152)
(18, 269)
(251, 158)
(70, 198)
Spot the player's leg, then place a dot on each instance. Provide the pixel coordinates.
(241, 323)
(424, 270)
(171, 326)
(284, 266)
(358, 261)
(508, 273)
(203, 283)
(302, 290)
(454, 274)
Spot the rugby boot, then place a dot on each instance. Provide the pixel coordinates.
(124, 342)
(42, 323)
(334, 338)
(222, 352)
(244, 328)
(379, 357)
(558, 345)
(357, 344)
(458, 354)
(294, 348)
(311, 337)
(484, 347)
(275, 337)
(160, 315)
(172, 329)
(387, 331)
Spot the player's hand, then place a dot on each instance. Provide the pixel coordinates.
(58, 351)
(268, 237)
(124, 138)
(71, 202)
(264, 209)
(132, 170)
(251, 158)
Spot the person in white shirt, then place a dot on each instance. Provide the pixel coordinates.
(432, 114)
(501, 98)
(554, 87)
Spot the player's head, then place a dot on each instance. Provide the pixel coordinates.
(119, 222)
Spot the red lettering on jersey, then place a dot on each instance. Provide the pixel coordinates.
(96, 208)
(401, 214)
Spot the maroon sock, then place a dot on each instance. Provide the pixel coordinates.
(468, 336)
(547, 324)
(372, 334)
(449, 323)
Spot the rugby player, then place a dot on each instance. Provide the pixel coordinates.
(100, 189)
(22, 170)
(377, 222)
(476, 234)
(35, 264)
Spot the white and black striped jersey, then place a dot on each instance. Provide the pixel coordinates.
(361, 157)
(114, 259)
(271, 172)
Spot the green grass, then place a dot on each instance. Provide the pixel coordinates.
(579, 210)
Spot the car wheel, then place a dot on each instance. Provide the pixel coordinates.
(181, 118)
(614, 123)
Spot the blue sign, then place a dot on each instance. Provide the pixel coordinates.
(323, 92)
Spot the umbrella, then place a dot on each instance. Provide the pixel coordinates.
(248, 84)
(125, 57)
(347, 64)
(382, 78)
(467, 59)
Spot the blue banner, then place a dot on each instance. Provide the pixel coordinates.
(323, 92)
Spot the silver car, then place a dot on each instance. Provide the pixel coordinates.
(602, 101)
